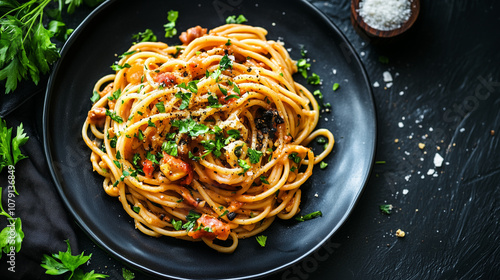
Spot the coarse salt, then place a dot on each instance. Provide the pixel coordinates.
(385, 14)
(438, 160)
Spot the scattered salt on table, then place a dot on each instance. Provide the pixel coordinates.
(385, 14)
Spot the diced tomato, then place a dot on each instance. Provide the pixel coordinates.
(175, 169)
(148, 168)
(167, 79)
(219, 229)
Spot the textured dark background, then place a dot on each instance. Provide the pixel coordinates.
(445, 94)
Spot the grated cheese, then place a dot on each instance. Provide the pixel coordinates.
(385, 14)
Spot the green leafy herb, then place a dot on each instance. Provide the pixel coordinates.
(185, 97)
(191, 218)
(232, 134)
(254, 155)
(225, 63)
(151, 124)
(177, 224)
(190, 127)
(309, 216)
(127, 274)
(146, 36)
(263, 179)
(160, 106)
(233, 19)
(318, 94)
(386, 208)
(170, 30)
(380, 162)
(294, 156)
(261, 239)
(136, 209)
(170, 147)
(213, 102)
(95, 97)
(64, 262)
(117, 67)
(115, 95)
(10, 152)
(302, 66)
(228, 43)
(11, 237)
(244, 165)
(128, 53)
(314, 79)
(335, 86)
(231, 97)
(151, 157)
(114, 116)
(323, 165)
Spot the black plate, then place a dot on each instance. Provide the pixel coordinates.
(87, 56)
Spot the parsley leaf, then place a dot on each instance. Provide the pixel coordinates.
(314, 79)
(170, 30)
(243, 164)
(146, 36)
(127, 274)
(225, 63)
(12, 235)
(302, 66)
(386, 208)
(309, 216)
(95, 97)
(177, 224)
(185, 97)
(170, 147)
(10, 152)
(190, 127)
(254, 155)
(64, 262)
(161, 107)
(117, 67)
(261, 239)
(213, 102)
(233, 19)
(114, 116)
(191, 218)
(335, 86)
(323, 165)
(294, 156)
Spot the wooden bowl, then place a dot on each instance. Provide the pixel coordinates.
(358, 22)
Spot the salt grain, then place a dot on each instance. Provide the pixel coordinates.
(376, 84)
(385, 14)
(387, 76)
(438, 160)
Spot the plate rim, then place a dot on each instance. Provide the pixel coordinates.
(97, 240)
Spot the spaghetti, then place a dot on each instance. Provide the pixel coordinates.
(206, 140)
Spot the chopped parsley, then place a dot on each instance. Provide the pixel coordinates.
(191, 218)
(263, 179)
(302, 66)
(314, 79)
(114, 116)
(261, 239)
(170, 30)
(225, 63)
(136, 209)
(150, 123)
(243, 164)
(309, 216)
(190, 127)
(386, 208)
(323, 165)
(177, 224)
(185, 97)
(95, 97)
(160, 106)
(294, 156)
(127, 53)
(233, 19)
(254, 155)
(117, 67)
(170, 147)
(146, 36)
(213, 102)
(115, 95)
(335, 86)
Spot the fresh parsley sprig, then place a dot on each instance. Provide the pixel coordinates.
(26, 47)
(10, 153)
(65, 262)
